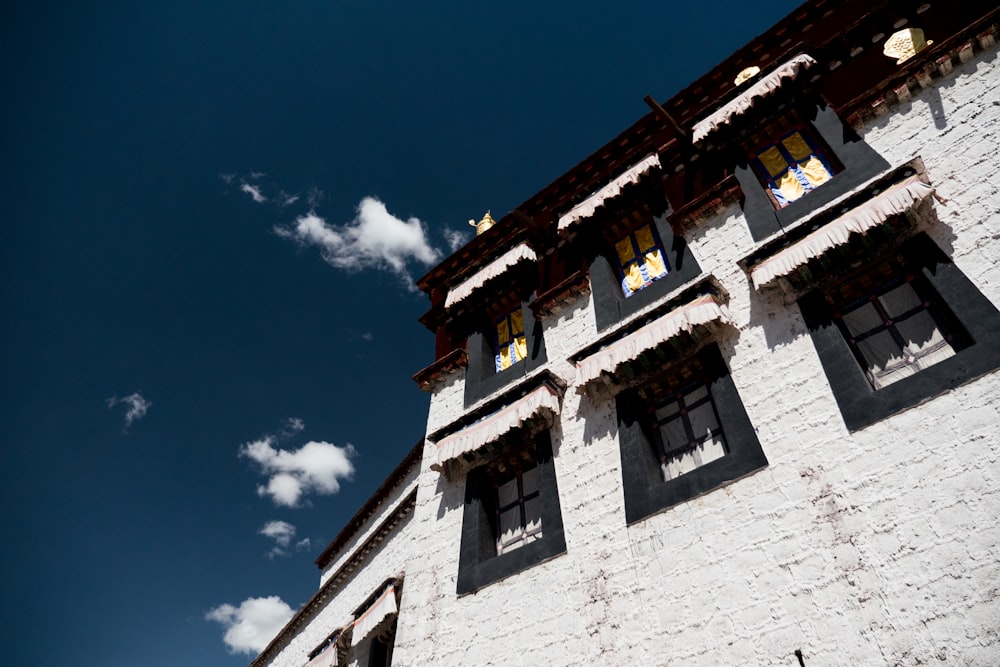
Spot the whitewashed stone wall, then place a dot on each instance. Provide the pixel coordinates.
(387, 560)
(877, 547)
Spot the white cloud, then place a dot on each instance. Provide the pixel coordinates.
(455, 238)
(292, 426)
(227, 178)
(374, 239)
(282, 533)
(304, 543)
(137, 407)
(253, 624)
(254, 192)
(316, 467)
(368, 336)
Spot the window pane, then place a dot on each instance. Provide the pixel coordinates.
(530, 481)
(507, 493)
(924, 342)
(797, 147)
(815, 171)
(666, 411)
(696, 395)
(773, 161)
(510, 527)
(711, 449)
(899, 300)
(862, 319)
(624, 249)
(880, 351)
(674, 435)
(533, 513)
(703, 421)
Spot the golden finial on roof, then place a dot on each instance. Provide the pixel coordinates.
(747, 74)
(905, 44)
(483, 224)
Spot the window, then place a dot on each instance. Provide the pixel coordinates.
(511, 520)
(687, 431)
(682, 434)
(905, 327)
(771, 179)
(898, 329)
(510, 343)
(635, 270)
(640, 260)
(505, 344)
(381, 649)
(519, 515)
(792, 166)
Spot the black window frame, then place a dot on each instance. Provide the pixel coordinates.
(610, 303)
(854, 162)
(646, 492)
(481, 378)
(479, 563)
(862, 405)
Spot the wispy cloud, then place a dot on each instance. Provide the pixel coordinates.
(303, 544)
(254, 192)
(316, 467)
(282, 533)
(136, 407)
(374, 239)
(251, 625)
(456, 238)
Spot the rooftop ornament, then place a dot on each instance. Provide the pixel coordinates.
(746, 75)
(483, 224)
(905, 44)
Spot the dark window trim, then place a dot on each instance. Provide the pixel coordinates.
(481, 378)
(611, 305)
(860, 404)
(645, 491)
(859, 160)
(479, 565)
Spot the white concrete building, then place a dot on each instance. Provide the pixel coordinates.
(724, 393)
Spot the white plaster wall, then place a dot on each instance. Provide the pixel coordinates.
(395, 496)
(875, 547)
(387, 560)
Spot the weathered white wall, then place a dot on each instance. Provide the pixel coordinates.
(387, 560)
(877, 547)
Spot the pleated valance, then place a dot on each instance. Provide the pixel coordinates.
(589, 206)
(542, 399)
(706, 308)
(496, 268)
(762, 88)
(371, 618)
(897, 199)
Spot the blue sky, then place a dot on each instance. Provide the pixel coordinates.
(213, 216)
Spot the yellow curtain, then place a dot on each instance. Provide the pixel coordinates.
(797, 147)
(814, 171)
(773, 161)
(625, 251)
(654, 264)
(790, 186)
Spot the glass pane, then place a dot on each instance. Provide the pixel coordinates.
(510, 527)
(703, 420)
(899, 300)
(862, 319)
(712, 449)
(533, 513)
(696, 395)
(507, 493)
(682, 463)
(673, 435)
(880, 351)
(925, 345)
(530, 481)
(666, 411)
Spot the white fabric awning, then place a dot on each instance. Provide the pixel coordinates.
(381, 609)
(471, 438)
(897, 199)
(519, 253)
(328, 658)
(749, 97)
(589, 206)
(702, 310)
